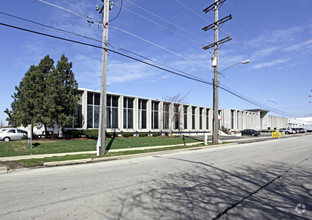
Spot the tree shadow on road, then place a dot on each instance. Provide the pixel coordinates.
(207, 192)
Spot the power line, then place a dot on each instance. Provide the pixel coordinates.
(168, 29)
(130, 34)
(79, 35)
(121, 6)
(163, 48)
(194, 12)
(169, 22)
(48, 26)
(61, 30)
(70, 11)
(155, 66)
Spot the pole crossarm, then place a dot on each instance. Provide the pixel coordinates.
(221, 21)
(222, 41)
(212, 6)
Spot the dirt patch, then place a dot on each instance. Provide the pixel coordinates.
(12, 165)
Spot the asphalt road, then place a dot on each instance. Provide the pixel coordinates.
(263, 180)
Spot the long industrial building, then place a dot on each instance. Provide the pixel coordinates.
(127, 113)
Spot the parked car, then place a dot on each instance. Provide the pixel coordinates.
(3, 129)
(11, 134)
(294, 130)
(301, 130)
(286, 130)
(251, 132)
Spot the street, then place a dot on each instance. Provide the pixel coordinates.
(262, 180)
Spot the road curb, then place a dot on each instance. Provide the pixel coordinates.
(3, 170)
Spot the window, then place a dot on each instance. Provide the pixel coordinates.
(193, 117)
(176, 116)
(142, 113)
(207, 119)
(11, 131)
(232, 119)
(185, 116)
(166, 115)
(78, 117)
(128, 113)
(200, 118)
(112, 111)
(93, 110)
(155, 116)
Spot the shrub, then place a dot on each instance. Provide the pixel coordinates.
(143, 134)
(74, 133)
(127, 134)
(93, 134)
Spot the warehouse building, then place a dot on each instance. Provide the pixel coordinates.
(137, 114)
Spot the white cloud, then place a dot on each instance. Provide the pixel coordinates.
(264, 52)
(299, 46)
(121, 72)
(272, 63)
(278, 36)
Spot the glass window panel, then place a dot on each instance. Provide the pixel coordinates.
(96, 116)
(90, 116)
(115, 101)
(90, 98)
(130, 103)
(108, 117)
(143, 119)
(130, 119)
(96, 99)
(109, 99)
(124, 118)
(78, 117)
(155, 120)
(114, 118)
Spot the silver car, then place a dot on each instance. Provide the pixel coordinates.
(9, 134)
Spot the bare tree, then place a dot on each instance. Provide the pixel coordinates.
(175, 120)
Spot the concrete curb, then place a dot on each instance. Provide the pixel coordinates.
(3, 170)
(91, 160)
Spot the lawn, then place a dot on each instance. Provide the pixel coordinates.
(17, 148)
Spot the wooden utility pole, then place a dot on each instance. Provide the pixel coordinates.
(100, 147)
(215, 62)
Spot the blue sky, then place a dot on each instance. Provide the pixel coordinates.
(275, 35)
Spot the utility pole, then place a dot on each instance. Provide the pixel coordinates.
(215, 61)
(100, 146)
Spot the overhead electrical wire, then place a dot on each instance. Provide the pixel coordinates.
(169, 22)
(79, 35)
(155, 66)
(48, 26)
(120, 8)
(70, 11)
(147, 41)
(163, 48)
(194, 12)
(168, 29)
(188, 8)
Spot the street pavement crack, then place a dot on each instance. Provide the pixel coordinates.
(260, 188)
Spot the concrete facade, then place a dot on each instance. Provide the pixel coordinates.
(137, 114)
(251, 119)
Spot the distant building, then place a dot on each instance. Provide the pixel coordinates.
(137, 114)
(303, 122)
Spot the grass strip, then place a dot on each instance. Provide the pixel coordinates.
(19, 148)
(35, 162)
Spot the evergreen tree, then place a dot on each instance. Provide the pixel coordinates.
(62, 97)
(45, 96)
